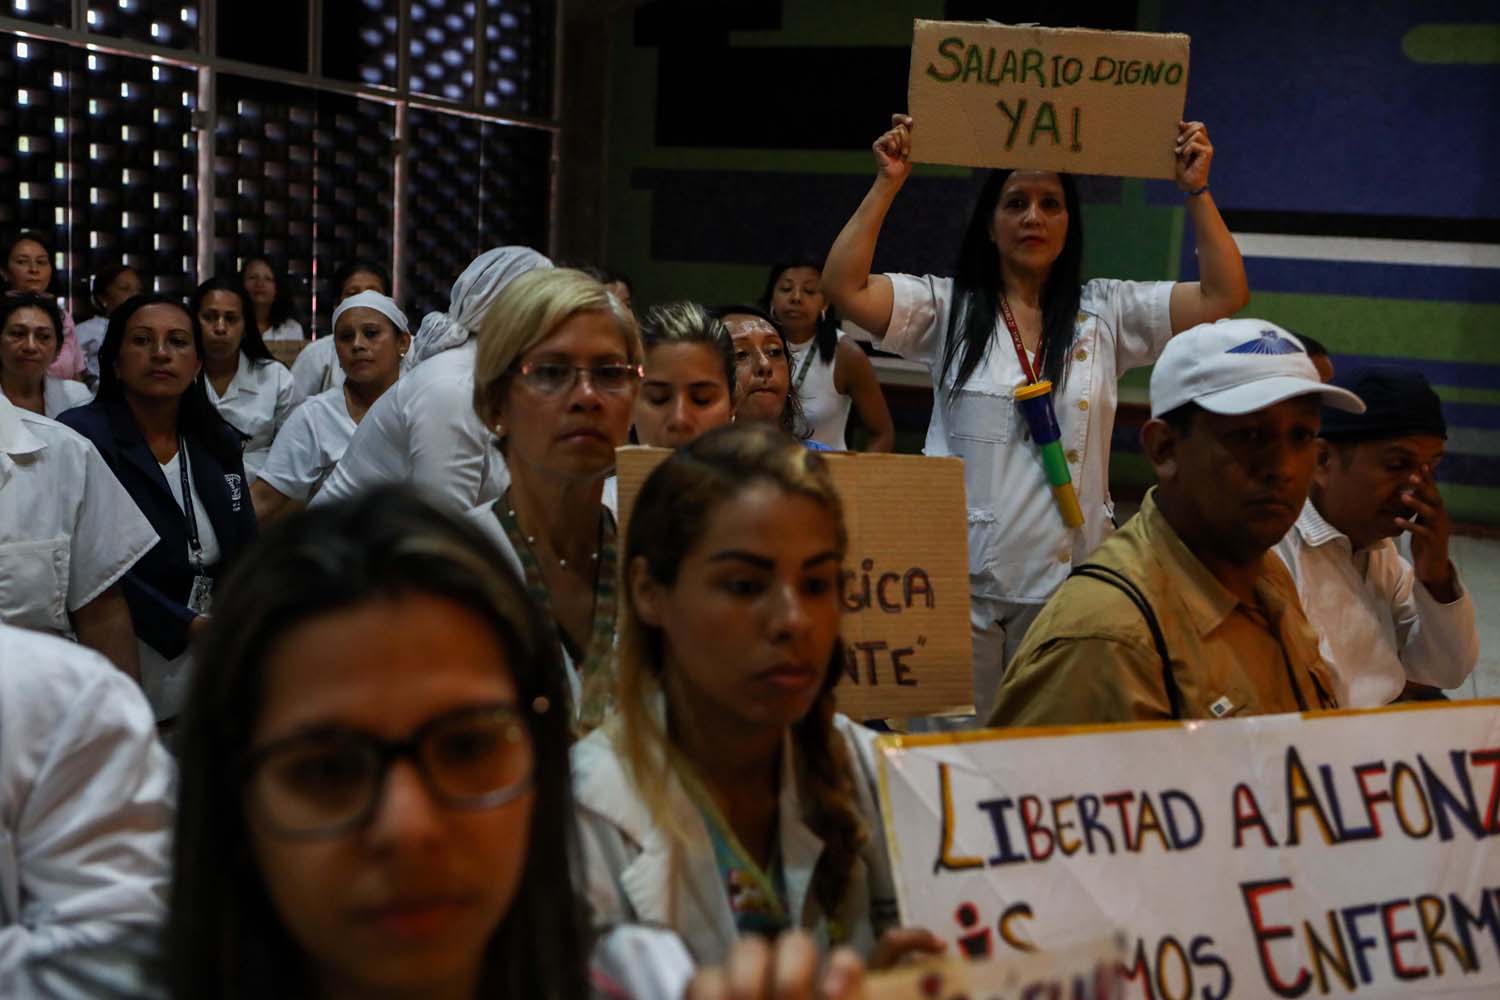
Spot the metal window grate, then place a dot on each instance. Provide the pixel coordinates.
(519, 57)
(173, 23)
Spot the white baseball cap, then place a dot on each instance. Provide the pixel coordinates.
(1238, 366)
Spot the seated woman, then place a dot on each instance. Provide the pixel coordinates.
(252, 390)
(113, 285)
(424, 430)
(270, 296)
(555, 379)
(28, 268)
(180, 463)
(374, 794)
(30, 335)
(763, 391)
(689, 382)
(317, 368)
(831, 371)
(726, 796)
(372, 338)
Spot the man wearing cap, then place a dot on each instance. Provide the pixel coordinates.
(1185, 612)
(1384, 622)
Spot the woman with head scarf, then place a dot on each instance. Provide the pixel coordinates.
(425, 431)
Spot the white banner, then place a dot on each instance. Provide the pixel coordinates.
(1343, 853)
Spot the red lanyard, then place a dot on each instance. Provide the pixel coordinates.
(1029, 367)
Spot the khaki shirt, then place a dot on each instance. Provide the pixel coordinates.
(1089, 656)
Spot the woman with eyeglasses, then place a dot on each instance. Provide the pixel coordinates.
(555, 380)
(374, 793)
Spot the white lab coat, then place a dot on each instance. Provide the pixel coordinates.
(59, 394)
(1379, 626)
(86, 802)
(257, 401)
(309, 445)
(424, 431)
(68, 529)
(632, 872)
(287, 329)
(317, 368)
(90, 336)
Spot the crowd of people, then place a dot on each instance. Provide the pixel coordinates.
(345, 680)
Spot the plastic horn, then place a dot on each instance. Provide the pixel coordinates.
(1036, 404)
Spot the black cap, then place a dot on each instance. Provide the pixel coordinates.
(1398, 403)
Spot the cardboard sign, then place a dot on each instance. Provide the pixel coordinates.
(1086, 972)
(1348, 853)
(1088, 102)
(905, 588)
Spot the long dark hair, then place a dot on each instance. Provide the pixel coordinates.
(252, 345)
(977, 284)
(223, 936)
(670, 516)
(196, 416)
(103, 278)
(281, 305)
(793, 419)
(826, 333)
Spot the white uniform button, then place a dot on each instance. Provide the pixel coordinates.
(1072, 456)
(1081, 354)
(1083, 404)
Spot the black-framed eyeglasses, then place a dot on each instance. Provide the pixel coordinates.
(553, 377)
(330, 781)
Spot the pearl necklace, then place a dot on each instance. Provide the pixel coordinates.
(531, 542)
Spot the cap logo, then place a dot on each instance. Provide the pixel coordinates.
(1267, 343)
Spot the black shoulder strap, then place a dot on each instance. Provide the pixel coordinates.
(1118, 580)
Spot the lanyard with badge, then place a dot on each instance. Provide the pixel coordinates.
(807, 360)
(201, 597)
(1035, 401)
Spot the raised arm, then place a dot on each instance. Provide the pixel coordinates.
(859, 295)
(1222, 288)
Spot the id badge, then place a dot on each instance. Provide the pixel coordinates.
(201, 598)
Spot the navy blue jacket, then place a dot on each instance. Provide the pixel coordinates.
(158, 586)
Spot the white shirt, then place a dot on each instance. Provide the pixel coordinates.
(309, 445)
(165, 680)
(1379, 626)
(288, 329)
(90, 336)
(634, 871)
(59, 394)
(1019, 548)
(825, 409)
(68, 529)
(257, 402)
(86, 802)
(424, 431)
(317, 368)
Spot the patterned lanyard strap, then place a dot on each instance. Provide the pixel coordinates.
(721, 832)
(602, 635)
(1027, 366)
(807, 360)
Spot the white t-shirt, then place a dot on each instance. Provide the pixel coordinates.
(165, 680)
(309, 445)
(68, 529)
(1019, 548)
(825, 409)
(257, 402)
(90, 336)
(287, 329)
(317, 368)
(60, 394)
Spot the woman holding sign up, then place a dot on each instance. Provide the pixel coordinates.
(1018, 330)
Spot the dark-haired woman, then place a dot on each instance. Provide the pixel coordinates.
(271, 297)
(1018, 308)
(252, 390)
(30, 337)
(180, 463)
(763, 390)
(725, 796)
(113, 285)
(28, 268)
(829, 371)
(317, 368)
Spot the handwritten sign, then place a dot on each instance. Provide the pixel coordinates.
(1089, 971)
(1351, 853)
(1089, 102)
(905, 586)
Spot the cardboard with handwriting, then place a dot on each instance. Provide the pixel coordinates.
(1087, 102)
(905, 586)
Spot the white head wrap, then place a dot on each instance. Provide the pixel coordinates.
(473, 293)
(371, 299)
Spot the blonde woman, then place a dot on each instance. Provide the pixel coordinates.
(556, 371)
(726, 797)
